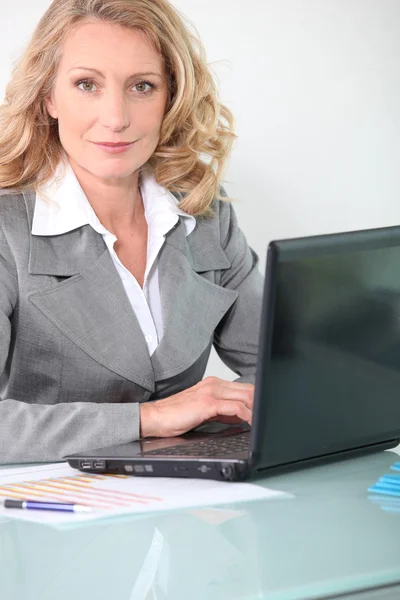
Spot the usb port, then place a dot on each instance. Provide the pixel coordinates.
(99, 464)
(86, 464)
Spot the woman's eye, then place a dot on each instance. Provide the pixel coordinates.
(141, 87)
(87, 85)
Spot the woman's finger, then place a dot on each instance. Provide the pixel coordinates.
(227, 390)
(231, 408)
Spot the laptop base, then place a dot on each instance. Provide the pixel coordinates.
(220, 470)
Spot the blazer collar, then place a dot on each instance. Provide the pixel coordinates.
(65, 254)
(61, 206)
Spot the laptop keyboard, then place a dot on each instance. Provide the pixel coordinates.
(218, 446)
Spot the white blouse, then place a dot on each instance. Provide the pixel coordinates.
(69, 209)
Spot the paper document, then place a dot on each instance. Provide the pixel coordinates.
(114, 495)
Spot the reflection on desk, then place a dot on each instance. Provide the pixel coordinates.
(330, 539)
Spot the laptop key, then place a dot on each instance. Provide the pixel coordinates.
(210, 447)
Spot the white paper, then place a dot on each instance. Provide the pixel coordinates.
(115, 495)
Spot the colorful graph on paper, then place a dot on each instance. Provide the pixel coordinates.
(113, 495)
(79, 489)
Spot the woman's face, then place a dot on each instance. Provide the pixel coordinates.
(110, 87)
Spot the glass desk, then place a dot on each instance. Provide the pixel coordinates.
(330, 540)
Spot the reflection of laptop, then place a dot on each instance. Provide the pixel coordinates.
(328, 372)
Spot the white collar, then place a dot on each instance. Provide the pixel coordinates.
(62, 206)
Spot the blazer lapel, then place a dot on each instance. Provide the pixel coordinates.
(90, 306)
(192, 306)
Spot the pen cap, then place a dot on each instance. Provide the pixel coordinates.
(13, 503)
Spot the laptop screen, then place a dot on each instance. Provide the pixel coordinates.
(329, 363)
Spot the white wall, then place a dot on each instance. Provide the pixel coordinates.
(315, 89)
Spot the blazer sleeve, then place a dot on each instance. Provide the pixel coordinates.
(236, 337)
(37, 432)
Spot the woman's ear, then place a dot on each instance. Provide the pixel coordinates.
(51, 109)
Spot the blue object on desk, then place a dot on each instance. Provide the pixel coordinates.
(386, 490)
(391, 509)
(379, 499)
(391, 479)
(386, 503)
(389, 484)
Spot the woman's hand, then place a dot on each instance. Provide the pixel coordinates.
(212, 399)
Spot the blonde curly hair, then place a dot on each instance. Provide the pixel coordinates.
(197, 131)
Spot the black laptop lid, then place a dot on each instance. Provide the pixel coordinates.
(329, 360)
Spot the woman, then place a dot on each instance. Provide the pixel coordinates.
(120, 261)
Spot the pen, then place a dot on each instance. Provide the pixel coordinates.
(34, 505)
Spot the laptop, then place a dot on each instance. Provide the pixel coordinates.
(328, 369)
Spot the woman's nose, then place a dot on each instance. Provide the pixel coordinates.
(115, 111)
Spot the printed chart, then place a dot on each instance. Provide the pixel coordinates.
(77, 489)
(114, 495)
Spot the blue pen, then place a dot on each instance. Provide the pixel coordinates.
(34, 505)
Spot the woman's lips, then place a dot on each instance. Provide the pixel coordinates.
(114, 148)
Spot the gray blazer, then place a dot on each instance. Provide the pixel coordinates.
(74, 364)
